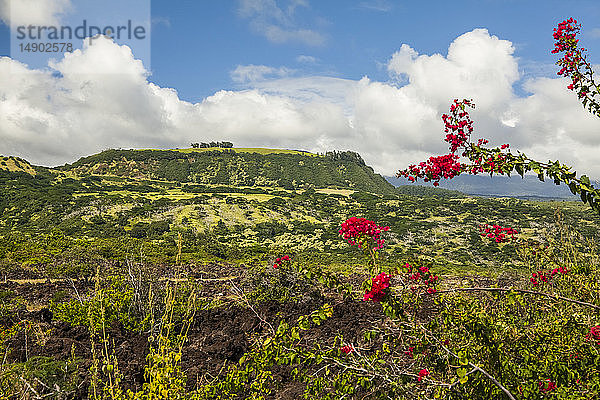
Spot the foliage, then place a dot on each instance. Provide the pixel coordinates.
(501, 160)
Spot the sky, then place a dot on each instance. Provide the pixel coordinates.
(372, 76)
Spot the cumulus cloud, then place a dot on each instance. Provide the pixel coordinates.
(71, 109)
(277, 23)
(477, 66)
(54, 116)
(33, 12)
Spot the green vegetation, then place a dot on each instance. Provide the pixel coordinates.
(287, 169)
(16, 164)
(163, 286)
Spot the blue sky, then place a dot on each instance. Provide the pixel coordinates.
(196, 44)
(372, 76)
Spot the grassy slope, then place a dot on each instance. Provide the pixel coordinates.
(288, 169)
(438, 224)
(15, 164)
(108, 209)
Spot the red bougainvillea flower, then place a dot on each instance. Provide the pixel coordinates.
(422, 276)
(594, 334)
(458, 125)
(546, 276)
(358, 231)
(547, 386)
(379, 284)
(434, 169)
(574, 63)
(422, 374)
(279, 261)
(458, 128)
(498, 233)
(565, 35)
(347, 349)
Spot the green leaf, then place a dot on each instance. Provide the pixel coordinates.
(464, 360)
(584, 179)
(573, 187)
(295, 334)
(519, 169)
(541, 176)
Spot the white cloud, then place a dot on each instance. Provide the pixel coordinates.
(270, 20)
(33, 12)
(320, 89)
(478, 66)
(254, 73)
(306, 59)
(71, 110)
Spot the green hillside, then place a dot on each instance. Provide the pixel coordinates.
(288, 169)
(16, 164)
(103, 252)
(248, 205)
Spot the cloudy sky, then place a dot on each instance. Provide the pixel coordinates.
(373, 76)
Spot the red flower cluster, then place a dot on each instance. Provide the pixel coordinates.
(494, 163)
(547, 386)
(594, 334)
(459, 123)
(422, 276)
(422, 374)
(545, 276)
(565, 36)
(280, 261)
(410, 352)
(379, 284)
(359, 230)
(434, 169)
(458, 128)
(347, 349)
(498, 233)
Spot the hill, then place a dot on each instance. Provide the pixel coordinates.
(118, 202)
(246, 204)
(287, 169)
(16, 164)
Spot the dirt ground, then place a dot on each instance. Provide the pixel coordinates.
(217, 337)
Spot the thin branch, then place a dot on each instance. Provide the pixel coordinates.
(490, 377)
(76, 291)
(241, 293)
(552, 296)
(37, 396)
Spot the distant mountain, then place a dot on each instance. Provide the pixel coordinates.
(528, 187)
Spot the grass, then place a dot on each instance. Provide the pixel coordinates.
(11, 164)
(343, 192)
